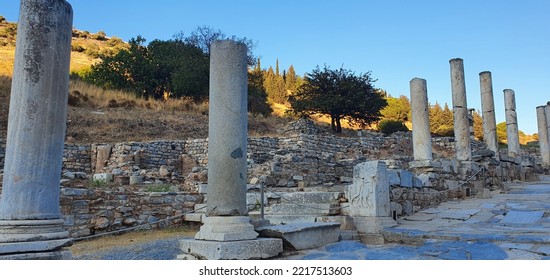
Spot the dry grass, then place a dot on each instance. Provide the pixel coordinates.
(109, 242)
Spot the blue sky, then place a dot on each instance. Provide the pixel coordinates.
(395, 40)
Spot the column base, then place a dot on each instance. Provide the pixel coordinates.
(62, 254)
(226, 228)
(373, 225)
(33, 239)
(261, 248)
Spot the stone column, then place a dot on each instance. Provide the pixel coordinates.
(544, 141)
(460, 110)
(547, 113)
(422, 139)
(227, 139)
(512, 133)
(488, 111)
(227, 232)
(30, 219)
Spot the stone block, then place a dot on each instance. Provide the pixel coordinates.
(346, 222)
(310, 197)
(406, 178)
(135, 180)
(303, 209)
(393, 177)
(289, 219)
(261, 248)
(105, 177)
(373, 224)
(226, 228)
(303, 235)
(369, 195)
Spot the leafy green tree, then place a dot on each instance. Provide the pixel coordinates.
(291, 80)
(130, 69)
(501, 132)
(397, 109)
(203, 36)
(340, 94)
(478, 125)
(257, 97)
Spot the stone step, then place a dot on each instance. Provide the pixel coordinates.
(321, 209)
(302, 236)
(194, 217)
(346, 222)
(307, 197)
(348, 234)
(285, 219)
(200, 208)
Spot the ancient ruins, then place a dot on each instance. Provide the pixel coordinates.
(254, 196)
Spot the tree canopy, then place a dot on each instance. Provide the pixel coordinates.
(173, 68)
(340, 94)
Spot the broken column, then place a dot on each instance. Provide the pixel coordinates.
(488, 111)
(460, 110)
(369, 199)
(227, 228)
(31, 226)
(544, 141)
(512, 133)
(422, 139)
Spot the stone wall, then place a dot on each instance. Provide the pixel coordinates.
(92, 211)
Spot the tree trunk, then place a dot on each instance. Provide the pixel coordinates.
(333, 122)
(338, 125)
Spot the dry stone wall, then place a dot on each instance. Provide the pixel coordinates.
(92, 211)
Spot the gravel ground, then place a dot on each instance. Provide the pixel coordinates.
(166, 249)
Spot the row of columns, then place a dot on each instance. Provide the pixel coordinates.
(420, 116)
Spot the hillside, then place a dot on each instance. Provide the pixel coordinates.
(86, 47)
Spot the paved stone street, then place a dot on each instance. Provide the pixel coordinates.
(514, 225)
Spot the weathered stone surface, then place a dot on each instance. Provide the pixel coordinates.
(103, 153)
(488, 111)
(460, 110)
(522, 217)
(226, 228)
(544, 140)
(303, 235)
(369, 193)
(105, 177)
(512, 132)
(422, 140)
(261, 248)
(227, 129)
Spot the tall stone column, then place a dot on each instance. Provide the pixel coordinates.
(512, 133)
(227, 232)
(460, 110)
(422, 139)
(544, 141)
(30, 219)
(227, 139)
(547, 113)
(488, 111)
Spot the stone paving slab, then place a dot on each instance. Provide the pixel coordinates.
(522, 217)
(433, 210)
(420, 217)
(458, 214)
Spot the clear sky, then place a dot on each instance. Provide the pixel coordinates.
(395, 40)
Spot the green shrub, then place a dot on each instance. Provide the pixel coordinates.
(158, 188)
(390, 126)
(97, 183)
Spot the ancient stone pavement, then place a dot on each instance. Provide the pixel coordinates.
(512, 225)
